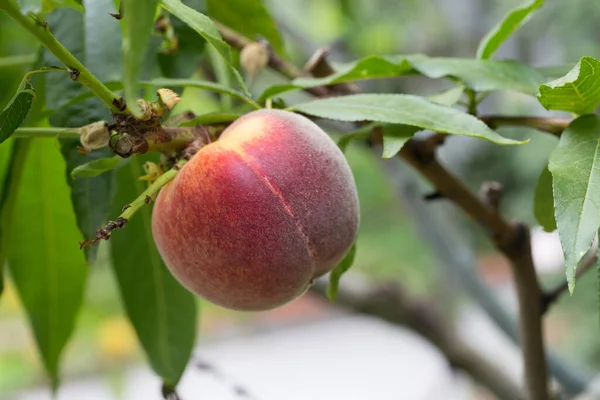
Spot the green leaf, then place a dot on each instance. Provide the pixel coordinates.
(370, 67)
(482, 75)
(163, 313)
(448, 97)
(479, 75)
(554, 71)
(251, 18)
(12, 158)
(577, 92)
(46, 265)
(575, 166)
(208, 30)
(96, 167)
(207, 85)
(359, 134)
(100, 49)
(212, 119)
(338, 271)
(401, 109)
(138, 27)
(544, 202)
(506, 27)
(394, 138)
(17, 109)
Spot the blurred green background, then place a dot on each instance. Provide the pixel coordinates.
(389, 246)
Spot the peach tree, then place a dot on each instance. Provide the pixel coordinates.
(247, 206)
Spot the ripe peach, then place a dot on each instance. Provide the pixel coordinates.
(254, 217)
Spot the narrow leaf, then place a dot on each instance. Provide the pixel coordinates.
(12, 158)
(506, 27)
(338, 271)
(208, 30)
(401, 109)
(544, 202)
(479, 75)
(359, 134)
(88, 39)
(137, 30)
(96, 167)
(482, 75)
(575, 166)
(45, 262)
(206, 85)
(449, 97)
(17, 109)
(394, 138)
(163, 313)
(251, 18)
(577, 92)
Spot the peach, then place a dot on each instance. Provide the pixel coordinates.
(254, 217)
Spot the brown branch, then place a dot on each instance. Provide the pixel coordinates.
(512, 239)
(159, 139)
(391, 303)
(276, 63)
(550, 296)
(552, 125)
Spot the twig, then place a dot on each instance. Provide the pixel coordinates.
(512, 239)
(130, 209)
(77, 70)
(550, 296)
(552, 125)
(391, 303)
(238, 389)
(438, 228)
(169, 393)
(276, 63)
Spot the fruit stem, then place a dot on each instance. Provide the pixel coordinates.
(130, 209)
(77, 70)
(148, 194)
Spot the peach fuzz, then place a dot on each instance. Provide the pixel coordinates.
(254, 217)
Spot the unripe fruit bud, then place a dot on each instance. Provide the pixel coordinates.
(168, 97)
(253, 58)
(95, 135)
(146, 108)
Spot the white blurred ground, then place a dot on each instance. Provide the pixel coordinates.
(334, 357)
(346, 357)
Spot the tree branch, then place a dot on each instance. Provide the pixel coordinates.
(276, 63)
(550, 296)
(132, 208)
(391, 303)
(512, 239)
(552, 125)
